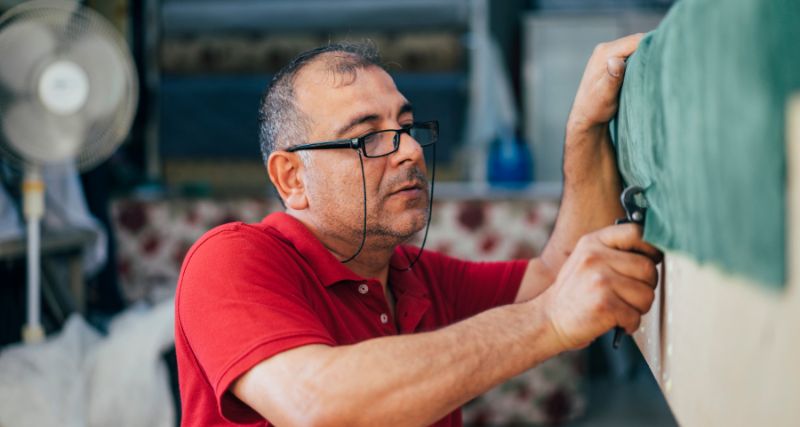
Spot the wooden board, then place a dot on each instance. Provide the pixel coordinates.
(726, 352)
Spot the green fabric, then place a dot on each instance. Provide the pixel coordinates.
(701, 126)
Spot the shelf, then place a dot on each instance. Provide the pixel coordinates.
(190, 16)
(207, 116)
(212, 116)
(485, 191)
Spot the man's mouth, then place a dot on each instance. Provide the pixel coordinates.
(412, 189)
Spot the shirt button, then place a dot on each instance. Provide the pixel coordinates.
(363, 289)
(384, 318)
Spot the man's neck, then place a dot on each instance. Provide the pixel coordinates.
(372, 261)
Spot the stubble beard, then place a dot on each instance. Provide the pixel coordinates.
(381, 231)
(385, 236)
(389, 236)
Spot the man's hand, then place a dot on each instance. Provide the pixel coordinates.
(608, 281)
(596, 101)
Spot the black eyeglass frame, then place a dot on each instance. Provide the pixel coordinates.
(358, 143)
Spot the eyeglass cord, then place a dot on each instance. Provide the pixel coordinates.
(364, 225)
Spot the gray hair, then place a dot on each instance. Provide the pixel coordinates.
(281, 123)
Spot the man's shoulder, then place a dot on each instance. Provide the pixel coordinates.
(237, 231)
(236, 239)
(239, 253)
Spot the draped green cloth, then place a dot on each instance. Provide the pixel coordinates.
(701, 126)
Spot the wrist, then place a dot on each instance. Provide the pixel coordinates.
(581, 130)
(549, 340)
(588, 154)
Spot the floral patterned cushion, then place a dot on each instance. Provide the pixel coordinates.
(154, 235)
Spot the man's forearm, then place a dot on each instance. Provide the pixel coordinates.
(417, 379)
(424, 377)
(591, 181)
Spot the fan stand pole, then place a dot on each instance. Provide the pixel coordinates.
(33, 209)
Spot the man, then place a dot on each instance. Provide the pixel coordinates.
(297, 321)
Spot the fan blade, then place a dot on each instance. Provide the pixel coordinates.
(22, 46)
(105, 66)
(41, 137)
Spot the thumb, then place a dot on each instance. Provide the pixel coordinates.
(615, 66)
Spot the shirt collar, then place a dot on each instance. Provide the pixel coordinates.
(327, 268)
(410, 289)
(330, 270)
(406, 281)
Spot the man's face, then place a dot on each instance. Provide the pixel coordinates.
(396, 185)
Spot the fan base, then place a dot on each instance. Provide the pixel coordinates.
(32, 334)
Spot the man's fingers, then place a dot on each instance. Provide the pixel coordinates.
(634, 266)
(628, 237)
(627, 316)
(618, 51)
(634, 293)
(625, 46)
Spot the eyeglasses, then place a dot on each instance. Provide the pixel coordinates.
(380, 143)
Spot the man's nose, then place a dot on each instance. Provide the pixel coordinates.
(408, 149)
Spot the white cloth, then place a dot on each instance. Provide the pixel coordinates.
(79, 378)
(65, 208)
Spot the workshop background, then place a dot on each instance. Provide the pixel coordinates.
(499, 76)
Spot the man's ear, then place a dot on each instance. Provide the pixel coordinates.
(285, 171)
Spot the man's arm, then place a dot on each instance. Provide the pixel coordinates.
(419, 378)
(410, 380)
(590, 198)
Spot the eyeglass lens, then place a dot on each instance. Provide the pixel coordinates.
(382, 143)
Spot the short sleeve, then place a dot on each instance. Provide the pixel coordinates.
(472, 287)
(237, 305)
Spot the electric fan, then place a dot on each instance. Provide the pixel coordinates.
(68, 92)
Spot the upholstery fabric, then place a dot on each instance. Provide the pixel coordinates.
(701, 128)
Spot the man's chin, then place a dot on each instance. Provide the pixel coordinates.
(404, 226)
(413, 224)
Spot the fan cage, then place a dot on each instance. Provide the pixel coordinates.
(70, 22)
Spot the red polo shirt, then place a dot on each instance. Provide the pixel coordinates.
(250, 291)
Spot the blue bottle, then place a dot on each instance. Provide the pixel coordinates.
(510, 161)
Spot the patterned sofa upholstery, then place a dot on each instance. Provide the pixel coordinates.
(154, 235)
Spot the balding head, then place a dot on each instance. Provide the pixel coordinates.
(281, 122)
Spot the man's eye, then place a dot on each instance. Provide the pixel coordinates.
(366, 133)
(370, 137)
